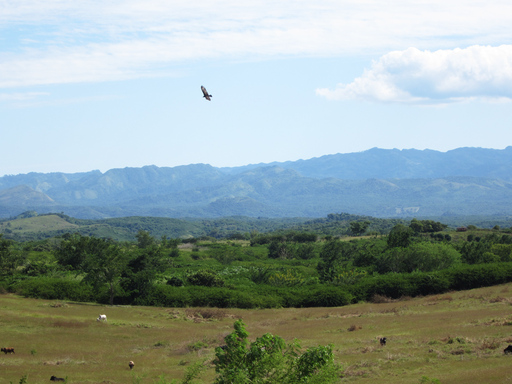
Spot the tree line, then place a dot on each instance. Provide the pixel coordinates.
(277, 269)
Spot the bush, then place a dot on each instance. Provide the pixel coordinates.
(324, 296)
(175, 282)
(429, 284)
(197, 296)
(393, 285)
(205, 278)
(270, 360)
(480, 275)
(423, 256)
(55, 289)
(166, 296)
(460, 277)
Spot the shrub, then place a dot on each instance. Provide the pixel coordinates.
(270, 360)
(325, 296)
(393, 285)
(166, 296)
(55, 289)
(175, 282)
(422, 256)
(205, 278)
(429, 284)
(480, 275)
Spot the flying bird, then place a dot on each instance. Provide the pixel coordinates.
(205, 93)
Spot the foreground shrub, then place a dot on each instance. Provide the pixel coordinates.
(270, 360)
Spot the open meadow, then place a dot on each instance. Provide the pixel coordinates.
(456, 337)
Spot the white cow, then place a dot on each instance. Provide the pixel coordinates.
(102, 318)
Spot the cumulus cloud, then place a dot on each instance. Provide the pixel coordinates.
(414, 76)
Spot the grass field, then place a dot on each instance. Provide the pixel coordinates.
(456, 338)
(37, 224)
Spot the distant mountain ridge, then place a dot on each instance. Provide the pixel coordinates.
(402, 164)
(376, 182)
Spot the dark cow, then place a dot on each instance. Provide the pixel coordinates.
(508, 350)
(54, 378)
(382, 341)
(131, 364)
(7, 350)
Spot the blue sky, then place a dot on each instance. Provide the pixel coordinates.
(102, 84)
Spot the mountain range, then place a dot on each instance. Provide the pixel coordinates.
(376, 182)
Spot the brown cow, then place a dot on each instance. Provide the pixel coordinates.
(7, 350)
(131, 364)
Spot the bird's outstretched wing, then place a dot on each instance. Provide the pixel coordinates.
(205, 93)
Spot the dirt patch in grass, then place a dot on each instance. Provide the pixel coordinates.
(206, 314)
(70, 324)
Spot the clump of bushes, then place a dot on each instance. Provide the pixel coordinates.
(205, 278)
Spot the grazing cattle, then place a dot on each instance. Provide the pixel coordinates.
(382, 341)
(7, 350)
(54, 378)
(508, 350)
(102, 318)
(131, 364)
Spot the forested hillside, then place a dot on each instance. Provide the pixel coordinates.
(30, 226)
(379, 183)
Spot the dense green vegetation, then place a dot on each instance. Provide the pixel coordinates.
(283, 268)
(30, 226)
(270, 359)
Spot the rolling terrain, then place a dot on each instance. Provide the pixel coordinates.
(456, 338)
(377, 182)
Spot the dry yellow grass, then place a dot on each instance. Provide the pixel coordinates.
(457, 338)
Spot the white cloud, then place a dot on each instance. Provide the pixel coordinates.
(414, 76)
(21, 96)
(62, 41)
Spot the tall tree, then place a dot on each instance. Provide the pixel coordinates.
(10, 258)
(334, 255)
(74, 249)
(400, 236)
(106, 267)
(144, 239)
(142, 270)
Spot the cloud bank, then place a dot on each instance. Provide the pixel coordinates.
(62, 41)
(443, 76)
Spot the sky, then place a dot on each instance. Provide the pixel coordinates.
(101, 84)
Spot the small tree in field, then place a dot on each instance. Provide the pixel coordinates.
(270, 360)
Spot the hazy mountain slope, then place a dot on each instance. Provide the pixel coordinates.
(23, 195)
(376, 182)
(402, 164)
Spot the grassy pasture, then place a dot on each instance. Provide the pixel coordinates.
(457, 337)
(37, 224)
